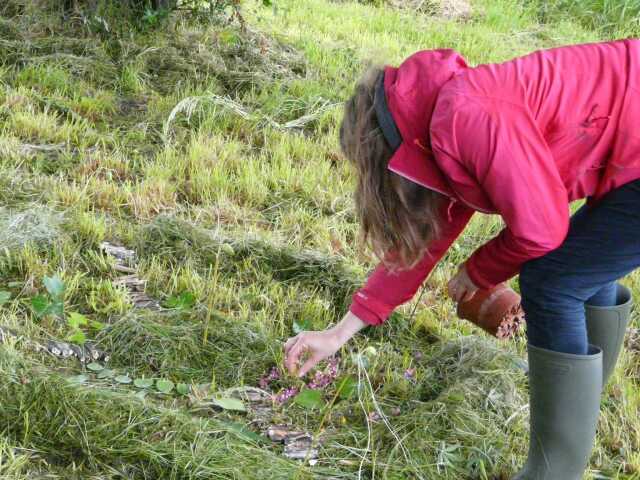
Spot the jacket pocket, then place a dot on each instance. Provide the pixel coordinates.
(573, 149)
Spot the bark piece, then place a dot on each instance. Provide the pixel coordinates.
(123, 255)
(300, 447)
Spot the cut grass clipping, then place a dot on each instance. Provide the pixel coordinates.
(210, 149)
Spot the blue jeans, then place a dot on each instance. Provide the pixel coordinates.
(602, 246)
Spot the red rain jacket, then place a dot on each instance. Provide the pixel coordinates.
(520, 139)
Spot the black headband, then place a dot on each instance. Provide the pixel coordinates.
(385, 119)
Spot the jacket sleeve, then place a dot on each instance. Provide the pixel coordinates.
(503, 149)
(385, 290)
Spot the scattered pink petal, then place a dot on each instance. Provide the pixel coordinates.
(286, 394)
(321, 379)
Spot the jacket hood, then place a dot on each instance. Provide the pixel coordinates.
(411, 93)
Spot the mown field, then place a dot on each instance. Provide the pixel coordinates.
(210, 149)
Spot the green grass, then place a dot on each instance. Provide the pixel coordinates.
(212, 152)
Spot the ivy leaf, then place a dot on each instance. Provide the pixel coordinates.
(55, 286)
(143, 382)
(347, 387)
(76, 319)
(4, 297)
(40, 305)
(124, 379)
(79, 379)
(78, 337)
(228, 403)
(309, 398)
(164, 386)
(182, 388)
(95, 367)
(183, 301)
(106, 373)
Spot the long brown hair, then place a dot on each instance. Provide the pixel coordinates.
(397, 216)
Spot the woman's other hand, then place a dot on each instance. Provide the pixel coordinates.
(460, 287)
(319, 345)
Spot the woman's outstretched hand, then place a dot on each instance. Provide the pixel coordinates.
(461, 287)
(319, 345)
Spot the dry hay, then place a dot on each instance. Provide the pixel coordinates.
(33, 225)
(446, 9)
(238, 58)
(174, 238)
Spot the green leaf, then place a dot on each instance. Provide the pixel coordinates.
(56, 308)
(309, 398)
(40, 305)
(78, 337)
(96, 325)
(95, 367)
(141, 394)
(182, 388)
(106, 373)
(79, 379)
(164, 386)
(143, 382)
(301, 326)
(4, 297)
(55, 286)
(243, 432)
(75, 320)
(347, 387)
(124, 379)
(183, 301)
(228, 249)
(229, 403)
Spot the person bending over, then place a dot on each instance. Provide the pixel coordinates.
(434, 141)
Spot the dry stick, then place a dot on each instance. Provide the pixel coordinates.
(368, 448)
(415, 306)
(210, 305)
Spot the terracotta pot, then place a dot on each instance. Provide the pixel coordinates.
(497, 311)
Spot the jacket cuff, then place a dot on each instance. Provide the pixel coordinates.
(478, 279)
(369, 310)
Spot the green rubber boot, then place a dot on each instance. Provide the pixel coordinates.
(564, 404)
(606, 327)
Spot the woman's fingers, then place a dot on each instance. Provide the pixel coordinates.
(290, 343)
(309, 364)
(293, 357)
